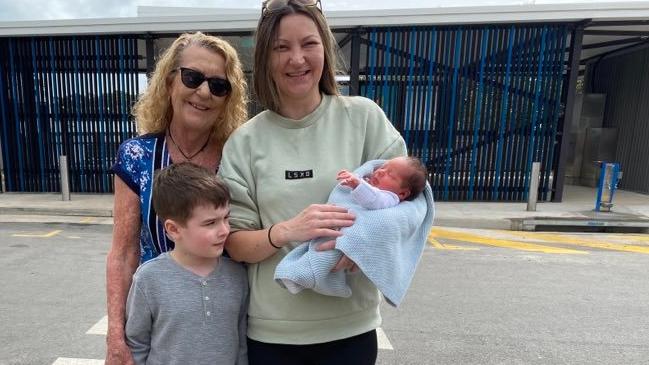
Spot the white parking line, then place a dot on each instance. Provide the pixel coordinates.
(74, 361)
(100, 328)
(382, 339)
(38, 234)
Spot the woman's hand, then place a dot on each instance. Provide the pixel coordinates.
(118, 353)
(317, 220)
(345, 263)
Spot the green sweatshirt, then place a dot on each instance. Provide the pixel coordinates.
(275, 167)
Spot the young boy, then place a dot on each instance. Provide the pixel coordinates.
(385, 243)
(189, 305)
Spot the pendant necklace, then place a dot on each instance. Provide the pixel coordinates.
(188, 157)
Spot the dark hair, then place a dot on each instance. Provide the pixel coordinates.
(181, 187)
(265, 36)
(416, 182)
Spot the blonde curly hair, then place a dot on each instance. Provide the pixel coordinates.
(153, 111)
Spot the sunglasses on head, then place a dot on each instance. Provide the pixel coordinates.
(193, 79)
(269, 6)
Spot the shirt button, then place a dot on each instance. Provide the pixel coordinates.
(208, 313)
(203, 283)
(207, 298)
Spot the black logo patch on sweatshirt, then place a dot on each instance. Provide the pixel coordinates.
(295, 175)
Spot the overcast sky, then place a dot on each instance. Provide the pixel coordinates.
(12, 10)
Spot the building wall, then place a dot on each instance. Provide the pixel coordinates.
(625, 81)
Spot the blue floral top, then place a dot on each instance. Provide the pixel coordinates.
(137, 159)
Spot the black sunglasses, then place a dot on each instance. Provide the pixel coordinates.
(269, 6)
(193, 79)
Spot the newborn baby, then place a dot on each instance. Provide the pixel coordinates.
(382, 185)
(398, 179)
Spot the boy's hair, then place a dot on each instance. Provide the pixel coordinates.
(181, 187)
(416, 182)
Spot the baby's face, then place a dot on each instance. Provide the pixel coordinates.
(391, 177)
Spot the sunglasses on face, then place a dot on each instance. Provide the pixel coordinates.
(269, 6)
(193, 79)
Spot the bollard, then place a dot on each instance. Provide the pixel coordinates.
(609, 176)
(65, 182)
(3, 187)
(533, 193)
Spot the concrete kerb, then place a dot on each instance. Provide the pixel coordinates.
(50, 208)
(477, 223)
(45, 211)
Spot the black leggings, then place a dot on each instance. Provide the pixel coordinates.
(357, 350)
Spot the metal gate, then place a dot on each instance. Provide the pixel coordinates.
(478, 104)
(65, 96)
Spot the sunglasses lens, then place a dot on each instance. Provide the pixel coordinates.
(192, 79)
(219, 87)
(273, 5)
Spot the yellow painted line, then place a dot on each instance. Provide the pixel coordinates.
(87, 220)
(571, 240)
(39, 235)
(479, 239)
(440, 246)
(633, 237)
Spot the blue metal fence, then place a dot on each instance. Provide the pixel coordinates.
(65, 95)
(478, 104)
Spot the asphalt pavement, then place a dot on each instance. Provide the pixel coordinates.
(478, 298)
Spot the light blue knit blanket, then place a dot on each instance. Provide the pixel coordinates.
(386, 244)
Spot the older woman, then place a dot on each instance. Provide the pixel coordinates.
(279, 168)
(196, 98)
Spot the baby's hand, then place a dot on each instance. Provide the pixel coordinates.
(347, 178)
